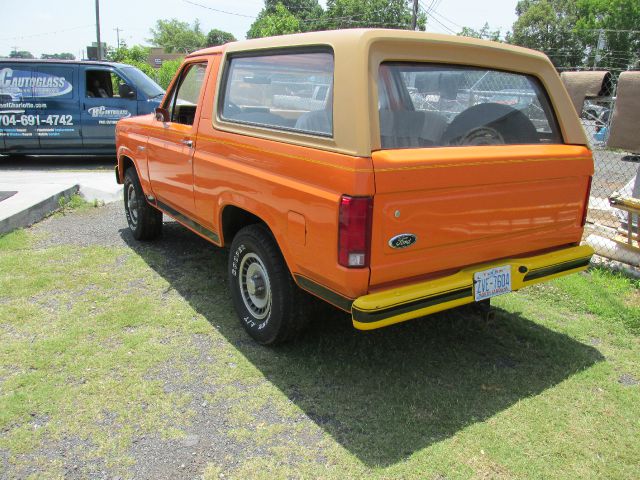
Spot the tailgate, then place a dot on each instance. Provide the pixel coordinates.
(469, 205)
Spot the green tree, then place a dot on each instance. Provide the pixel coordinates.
(280, 22)
(371, 13)
(616, 22)
(136, 53)
(309, 12)
(58, 56)
(166, 72)
(485, 33)
(136, 56)
(218, 37)
(21, 54)
(177, 36)
(547, 25)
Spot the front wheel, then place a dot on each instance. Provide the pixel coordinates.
(144, 220)
(264, 295)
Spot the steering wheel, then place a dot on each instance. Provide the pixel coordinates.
(490, 124)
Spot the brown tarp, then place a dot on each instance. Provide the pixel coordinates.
(586, 84)
(625, 124)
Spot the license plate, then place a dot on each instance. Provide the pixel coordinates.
(492, 282)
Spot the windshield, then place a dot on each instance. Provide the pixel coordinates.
(427, 105)
(143, 82)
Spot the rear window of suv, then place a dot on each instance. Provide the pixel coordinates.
(284, 91)
(426, 105)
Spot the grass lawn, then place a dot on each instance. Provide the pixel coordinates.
(129, 361)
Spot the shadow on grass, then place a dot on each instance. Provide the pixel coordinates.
(387, 393)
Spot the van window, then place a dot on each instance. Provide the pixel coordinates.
(184, 98)
(290, 91)
(103, 84)
(150, 88)
(426, 105)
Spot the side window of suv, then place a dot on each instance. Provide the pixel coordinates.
(184, 99)
(284, 91)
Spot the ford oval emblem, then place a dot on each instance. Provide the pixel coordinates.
(403, 240)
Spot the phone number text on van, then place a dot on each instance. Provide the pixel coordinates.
(30, 120)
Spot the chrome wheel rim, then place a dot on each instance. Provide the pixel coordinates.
(132, 205)
(255, 287)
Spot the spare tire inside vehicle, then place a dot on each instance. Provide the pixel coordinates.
(490, 124)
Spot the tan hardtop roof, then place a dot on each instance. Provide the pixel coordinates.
(357, 56)
(362, 36)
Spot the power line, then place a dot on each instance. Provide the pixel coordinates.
(431, 9)
(47, 33)
(350, 20)
(435, 12)
(606, 30)
(218, 10)
(442, 25)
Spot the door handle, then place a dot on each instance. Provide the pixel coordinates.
(187, 142)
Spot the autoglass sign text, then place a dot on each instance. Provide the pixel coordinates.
(19, 84)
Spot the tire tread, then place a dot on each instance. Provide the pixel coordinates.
(294, 316)
(149, 218)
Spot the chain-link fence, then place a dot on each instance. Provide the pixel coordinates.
(607, 228)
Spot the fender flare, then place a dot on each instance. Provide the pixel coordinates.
(263, 212)
(124, 151)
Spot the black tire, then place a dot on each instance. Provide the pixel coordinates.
(145, 221)
(266, 299)
(491, 124)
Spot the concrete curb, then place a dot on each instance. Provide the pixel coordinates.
(37, 212)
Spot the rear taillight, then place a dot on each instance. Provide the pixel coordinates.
(354, 231)
(586, 203)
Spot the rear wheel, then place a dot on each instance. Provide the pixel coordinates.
(145, 221)
(265, 296)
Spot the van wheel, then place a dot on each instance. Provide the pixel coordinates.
(264, 295)
(145, 221)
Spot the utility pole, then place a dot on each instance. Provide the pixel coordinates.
(118, 30)
(601, 45)
(98, 29)
(414, 17)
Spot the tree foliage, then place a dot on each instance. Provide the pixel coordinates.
(217, 37)
(617, 23)
(280, 22)
(308, 12)
(570, 31)
(177, 36)
(485, 33)
(136, 56)
(290, 16)
(166, 72)
(136, 53)
(21, 54)
(547, 25)
(371, 13)
(58, 56)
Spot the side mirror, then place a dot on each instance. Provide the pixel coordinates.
(125, 91)
(162, 115)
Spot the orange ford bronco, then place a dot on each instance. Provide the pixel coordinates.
(391, 173)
